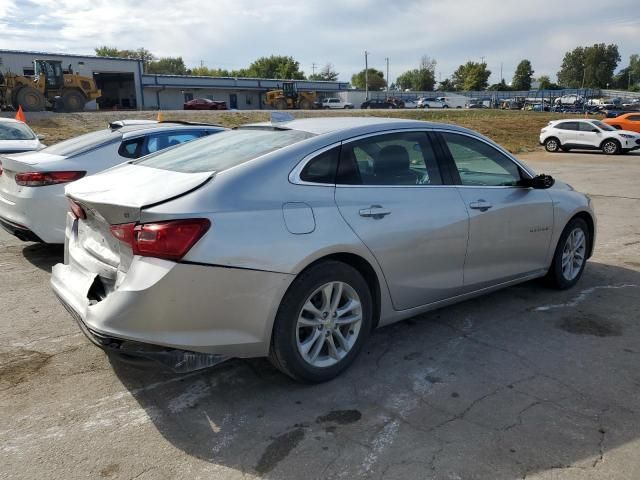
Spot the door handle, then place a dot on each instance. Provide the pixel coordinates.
(481, 205)
(375, 211)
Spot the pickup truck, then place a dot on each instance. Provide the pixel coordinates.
(335, 103)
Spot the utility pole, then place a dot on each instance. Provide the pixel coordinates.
(629, 86)
(366, 75)
(313, 68)
(201, 63)
(501, 77)
(482, 59)
(387, 60)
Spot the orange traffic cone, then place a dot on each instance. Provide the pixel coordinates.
(20, 115)
(160, 117)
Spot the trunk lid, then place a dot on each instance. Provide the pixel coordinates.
(113, 197)
(120, 193)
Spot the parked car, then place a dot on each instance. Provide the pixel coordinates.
(336, 103)
(572, 99)
(587, 135)
(16, 137)
(431, 102)
(205, 104)
(410, 102)
(626, 121)
(479, 103)
(377, 103)
(182, 274)
(32, 202)
(454, 101)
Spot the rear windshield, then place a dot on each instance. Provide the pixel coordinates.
(223, 150)
(15, 131)
(83, 142)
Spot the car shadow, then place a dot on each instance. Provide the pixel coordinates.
(44, 256)
(522, 380)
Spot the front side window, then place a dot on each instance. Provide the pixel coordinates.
(480, 164)
(390, 159)
(586, 127)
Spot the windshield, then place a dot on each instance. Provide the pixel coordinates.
(603, 126)
(81, 143)
(15, 131)
(223, 150)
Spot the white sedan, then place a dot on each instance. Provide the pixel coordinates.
(16, 137)
(32, 203)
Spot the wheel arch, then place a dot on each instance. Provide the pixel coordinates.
(365, 269)
(586, 216)
(610, 139)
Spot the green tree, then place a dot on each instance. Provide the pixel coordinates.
(327, 73)
(547, 84)
(628, 77)
(523, 75)
(375, 79)
(275, 66)
(420, 79)
(501, 87)
(589, 67)
(211, 72)
(169, 66)
(140, 54)
(471, 76)
(447, 85)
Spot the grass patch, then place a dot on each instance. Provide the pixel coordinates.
(517, 131)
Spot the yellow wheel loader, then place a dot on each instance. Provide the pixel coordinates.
(288, 97)
(40, 91)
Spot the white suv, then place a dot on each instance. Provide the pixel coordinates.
(587, 135)
(432, 102)
(335, 103)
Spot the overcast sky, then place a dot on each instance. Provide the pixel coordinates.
(231, 33)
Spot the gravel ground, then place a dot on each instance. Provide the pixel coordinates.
(523, 383)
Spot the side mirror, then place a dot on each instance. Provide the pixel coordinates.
(595, 130)
(539, 182)
(41, 136)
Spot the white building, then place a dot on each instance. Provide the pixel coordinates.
(125, 86)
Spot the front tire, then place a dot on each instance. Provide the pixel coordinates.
(610, 147)
(322, 323)
(570, 256)
(552, 145)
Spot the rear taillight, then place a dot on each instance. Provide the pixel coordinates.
(169, 240)
(42, 179)
(77, 210)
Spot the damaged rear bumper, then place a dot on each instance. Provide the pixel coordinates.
(179, 361)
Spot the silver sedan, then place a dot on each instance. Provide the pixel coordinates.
(295, 239)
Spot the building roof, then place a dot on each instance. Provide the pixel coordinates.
(75, 55)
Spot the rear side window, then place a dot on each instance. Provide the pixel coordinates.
(634, 118)
(160, 141)
(391, 159)
(131, 148)
(224, 150)
(568, 126)
(322, 169)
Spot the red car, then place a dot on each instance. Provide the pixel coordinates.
(205, 104)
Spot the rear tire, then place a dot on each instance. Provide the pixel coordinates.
(611, 147)
(305, 327)
(552, 144)
(30, 99)
(570, 256)
(281, 104)
(73, 100)
(305, 104)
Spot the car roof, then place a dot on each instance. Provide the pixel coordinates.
(323, 125)
(9, 120)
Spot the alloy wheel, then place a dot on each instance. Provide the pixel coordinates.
(329, 324)
(573, 254)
